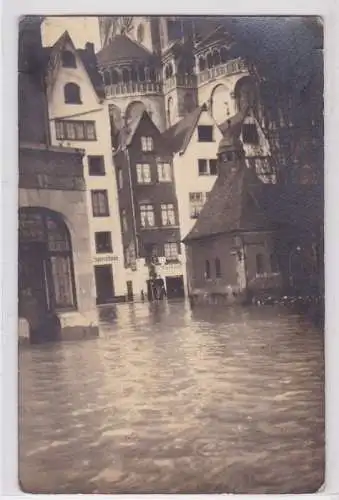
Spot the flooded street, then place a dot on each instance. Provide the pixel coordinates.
(170, 400)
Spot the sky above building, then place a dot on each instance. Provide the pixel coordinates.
(81, 30)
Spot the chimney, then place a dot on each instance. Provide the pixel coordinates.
(89, 47)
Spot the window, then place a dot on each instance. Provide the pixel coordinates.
(164, 172)
(217, 268)
(124, 222)
(68, 59)
(250, 134)
(147, 215)
(75, 130)
(207, 167)
(143, 173)
(103, 242)
(213, 167)
(171, 251)
(205, 133)
(72, 93)
(259, 263)
(120, 178)
(100, 203)
(197, 201)
(203, 167)
(152, 252)
(167, 214)
(147, 143)
(96, 165)
(207, 270)
(274, 263)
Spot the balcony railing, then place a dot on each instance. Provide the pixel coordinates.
(50, 168)
(229, 68)
(133, 88)
(186, 81)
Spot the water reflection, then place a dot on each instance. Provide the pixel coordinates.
(174, 400)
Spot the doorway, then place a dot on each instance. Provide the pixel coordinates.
(104, 283)
(46, 275)
(130, 295)
(175, 287)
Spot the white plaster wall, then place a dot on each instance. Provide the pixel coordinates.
(187, 178)
(92, 109)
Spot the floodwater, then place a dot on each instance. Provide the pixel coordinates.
(170, 400)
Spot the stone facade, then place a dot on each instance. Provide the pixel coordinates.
(51, 189)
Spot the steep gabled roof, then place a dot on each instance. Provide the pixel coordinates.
(86, 56)
(232, 206)
(122, 48)
(127, 133)
(179, 135)
(236, 122)
(240, 202)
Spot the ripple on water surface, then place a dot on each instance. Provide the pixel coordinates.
(172, 400)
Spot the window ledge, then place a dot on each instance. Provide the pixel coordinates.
(61, 310)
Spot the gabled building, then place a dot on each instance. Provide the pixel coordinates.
(79, 118)
(256, 146)
(194, 141)
(254, 238)
(55, 276)
(148, 210)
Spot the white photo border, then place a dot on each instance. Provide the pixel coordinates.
(328, 9)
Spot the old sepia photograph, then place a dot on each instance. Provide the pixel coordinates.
(171, 254)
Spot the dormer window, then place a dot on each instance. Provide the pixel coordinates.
(72, 93)
(147, 143)
(250, 134)
(205, 133)
(68, 59)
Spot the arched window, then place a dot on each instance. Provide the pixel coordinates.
(46, 264)
(169, 111)
(207, 270)
(125, 75)
(68, 59)
(115, 77)
(107, 78)
(134, 75)
(141, 73)
(153, 75)
(168, 71)
(216, 58)
(202, 64)
(72, 93)
(140, 33)
(274, 263)
(223, 54)
(217, 268)
(259, 263)
(189, 103)
(209, 60)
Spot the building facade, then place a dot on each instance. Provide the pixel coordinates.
(221, 62)
(148, 210)
(78, 117)
(56, 280)
(253, 238)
